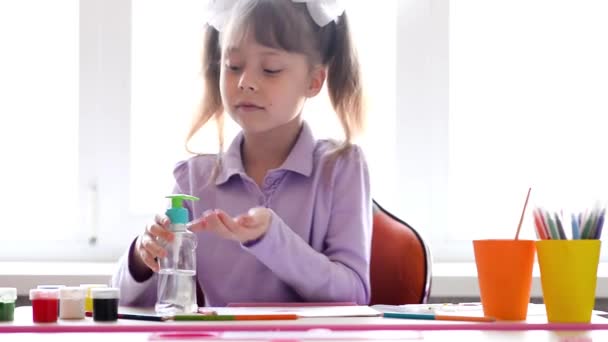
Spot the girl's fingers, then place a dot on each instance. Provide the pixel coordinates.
(158, 231)
(254, 218)
(216, 225)
(212, 220)
(149, 260)
(223, 224)
(202, 223)
(150, 245)
(148, 248)
(246, 220)
(226, 220)
(162, 220)
(197, 225)
(244, 228)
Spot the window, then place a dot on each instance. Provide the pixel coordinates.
(39, 113)
(65, 98)
(527, 107)
(494, 97)
(472, 102)
(100, 93)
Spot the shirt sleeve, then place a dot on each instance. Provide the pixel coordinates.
(341, 271)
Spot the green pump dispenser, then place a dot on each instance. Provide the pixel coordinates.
(177, 213)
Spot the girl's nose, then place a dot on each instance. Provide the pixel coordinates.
(247, 83)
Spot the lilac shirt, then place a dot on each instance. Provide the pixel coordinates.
(317, 247)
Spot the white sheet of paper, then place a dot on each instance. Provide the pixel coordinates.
(305, 311)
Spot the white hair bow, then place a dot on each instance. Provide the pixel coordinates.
(322, 11)
(218, 11)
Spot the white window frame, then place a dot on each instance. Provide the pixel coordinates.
(103, 145)
(422, 124)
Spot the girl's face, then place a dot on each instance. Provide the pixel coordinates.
(264, 88)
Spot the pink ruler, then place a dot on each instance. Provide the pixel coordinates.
(165, 327)
(289, 304)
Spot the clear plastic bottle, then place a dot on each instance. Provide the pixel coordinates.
(177, 275)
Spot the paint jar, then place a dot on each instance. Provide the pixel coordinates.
(45, 303)
(8, 296)
(88, 301)
(71, 302)
(51, 287)
(105, 303)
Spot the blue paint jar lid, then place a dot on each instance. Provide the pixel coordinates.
(105, 293)
(50, 287)
(8, 294)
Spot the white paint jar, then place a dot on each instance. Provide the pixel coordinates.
(71, 302)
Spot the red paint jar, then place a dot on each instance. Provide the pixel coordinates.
(45, 305)
(53, 287)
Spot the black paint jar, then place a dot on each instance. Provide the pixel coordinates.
(105, 304)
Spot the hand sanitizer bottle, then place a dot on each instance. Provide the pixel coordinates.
(177, 275)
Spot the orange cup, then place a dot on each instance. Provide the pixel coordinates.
(504, 271)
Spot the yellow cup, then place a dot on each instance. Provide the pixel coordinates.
(568, 273)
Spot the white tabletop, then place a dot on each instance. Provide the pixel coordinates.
(303, 329)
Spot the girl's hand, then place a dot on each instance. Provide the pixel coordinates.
(148, 247)
(244, 228)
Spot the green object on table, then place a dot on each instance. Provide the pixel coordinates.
(7, 311)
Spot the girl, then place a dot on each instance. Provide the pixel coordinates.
(283, 217)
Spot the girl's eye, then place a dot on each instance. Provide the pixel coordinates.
(233, 67)
(272, 71)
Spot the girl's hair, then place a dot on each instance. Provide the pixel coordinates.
(286, 25)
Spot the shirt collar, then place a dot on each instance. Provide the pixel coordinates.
(299, 160)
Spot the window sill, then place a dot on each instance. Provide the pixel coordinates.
(27, 275)
(449, 279)
(459, 279)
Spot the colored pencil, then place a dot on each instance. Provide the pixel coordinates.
(235, 317)
(523, 213)
(540, 228)
(143, 317)
(137, 317)
(438, 317)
